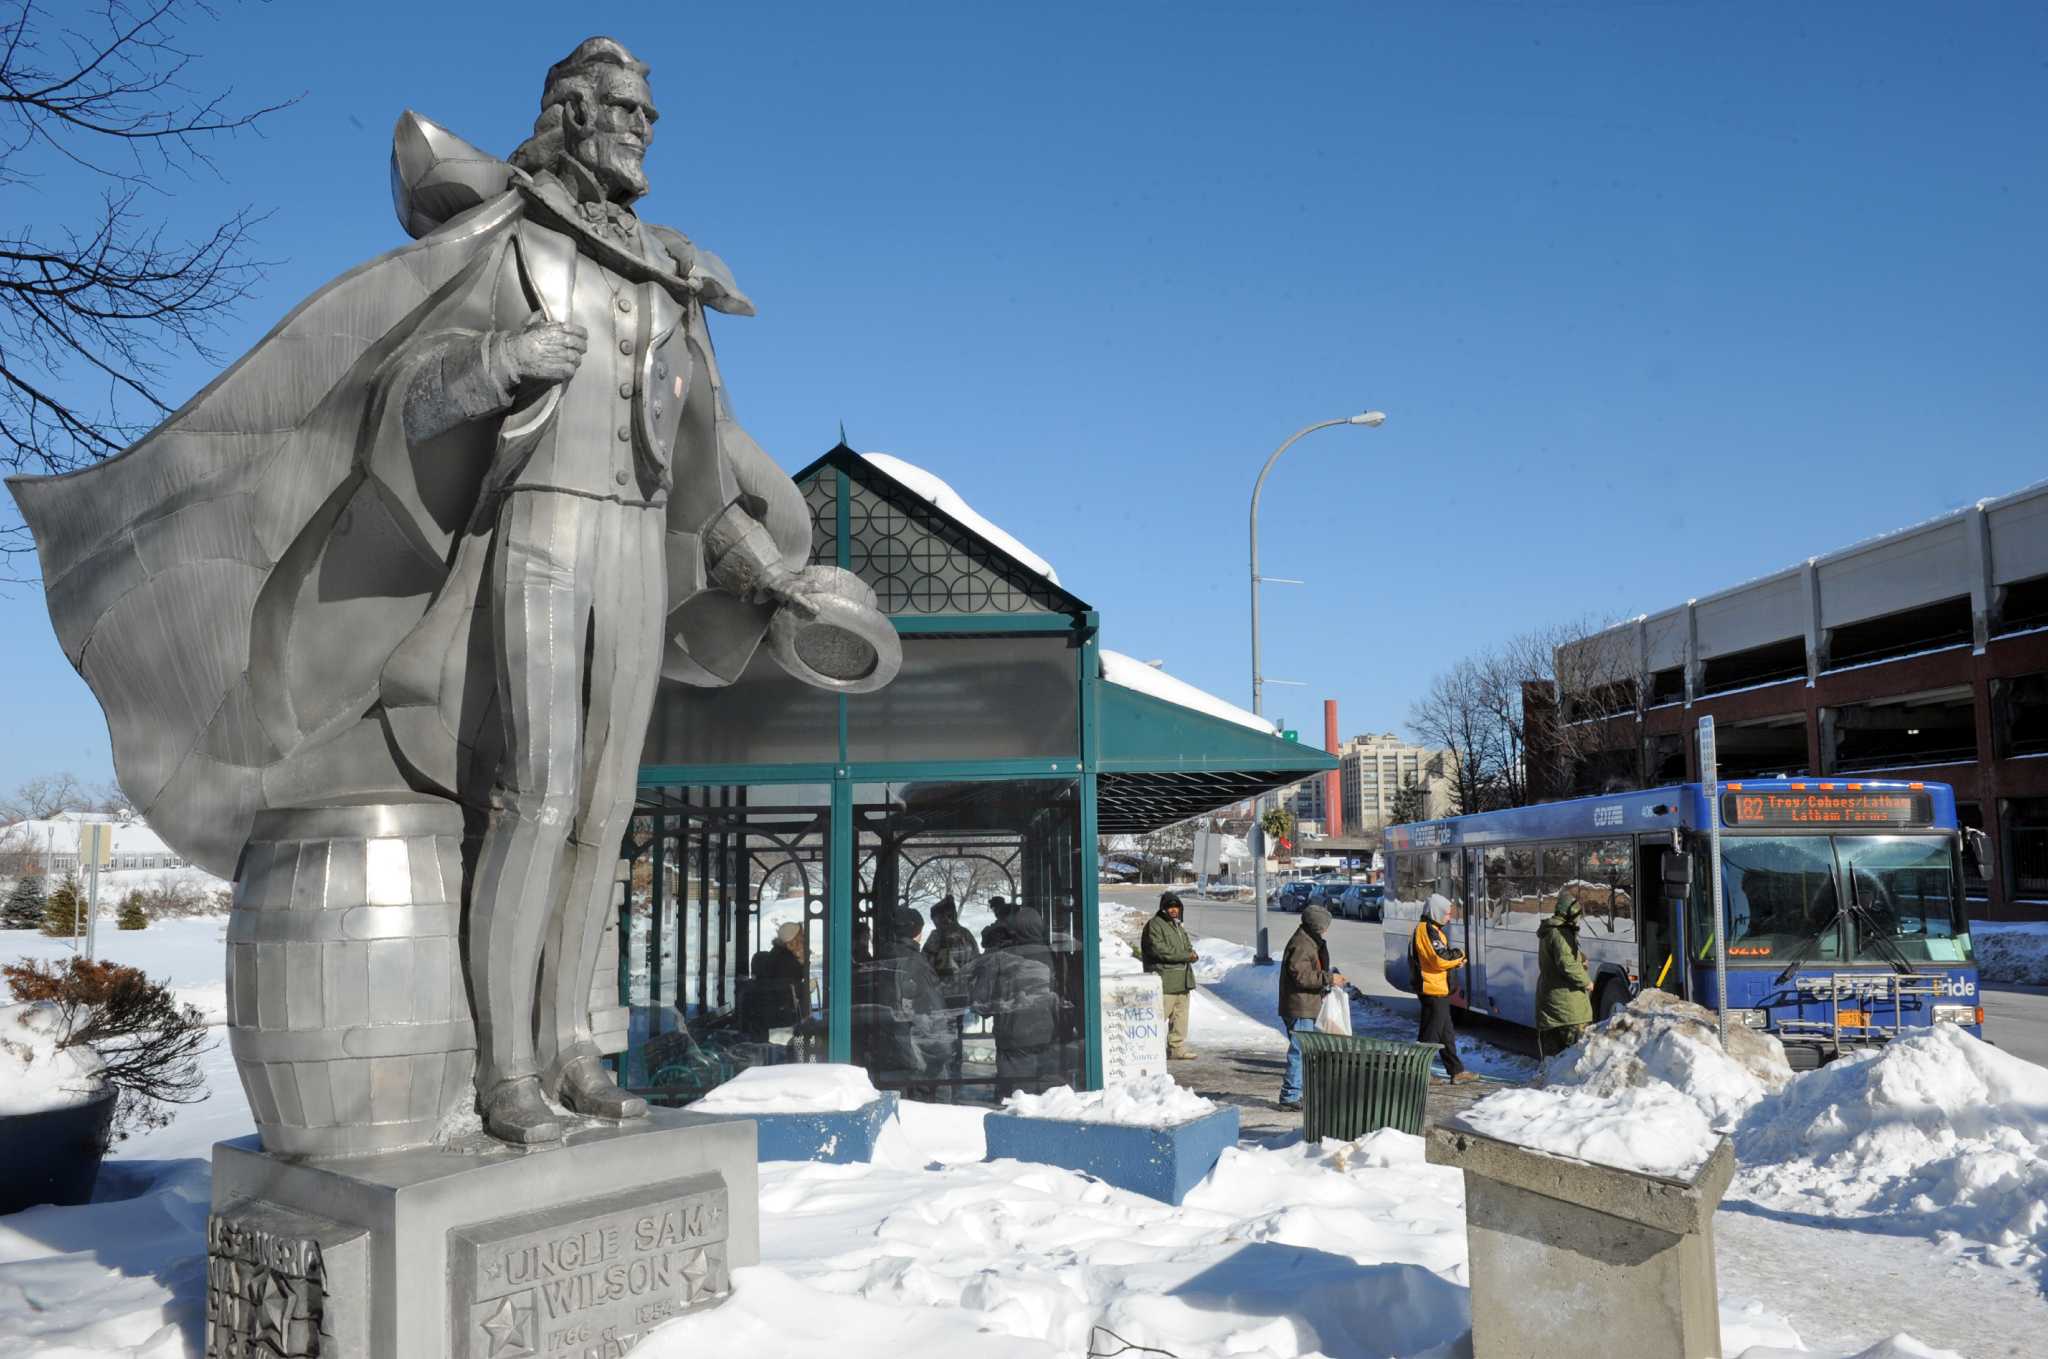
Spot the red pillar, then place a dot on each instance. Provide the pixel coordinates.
(1333, 810)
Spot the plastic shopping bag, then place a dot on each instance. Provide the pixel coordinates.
(1335, 1016)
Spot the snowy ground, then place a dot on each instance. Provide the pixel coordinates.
(1350, 1250)
(2011, 952)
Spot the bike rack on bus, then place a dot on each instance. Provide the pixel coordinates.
(1870, 993)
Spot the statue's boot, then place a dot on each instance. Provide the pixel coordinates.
(515, 1112)
(589, 1089)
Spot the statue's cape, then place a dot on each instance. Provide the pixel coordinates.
(234, 585)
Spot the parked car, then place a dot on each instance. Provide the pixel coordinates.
(1292, 896)
(1360, 901)
(1326, 895)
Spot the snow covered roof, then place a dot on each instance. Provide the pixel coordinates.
(59, 834)
(1131, 673)
(952, 504)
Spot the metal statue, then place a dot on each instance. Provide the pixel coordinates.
(436, 539)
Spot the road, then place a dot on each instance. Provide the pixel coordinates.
(2015, 1017)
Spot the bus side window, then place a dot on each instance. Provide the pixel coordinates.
(1499, 886)
(1525, 888)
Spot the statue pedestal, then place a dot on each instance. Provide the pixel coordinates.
(479, 1251)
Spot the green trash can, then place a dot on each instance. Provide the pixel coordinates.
(1352, 1086)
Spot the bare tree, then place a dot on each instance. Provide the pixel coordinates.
(94, 302)
(46, 795)
(1453, 714)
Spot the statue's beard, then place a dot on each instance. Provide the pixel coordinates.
(614, 160)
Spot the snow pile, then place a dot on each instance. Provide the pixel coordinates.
(36, 1075)
(1650, 1090)
(1218, 957)
(1654, 1129)
(1279, 1255)
(1937, 1133)
(1660, 1039)
(1154, 1101)
(792, 1088)
(950, 502)
(2011, 952)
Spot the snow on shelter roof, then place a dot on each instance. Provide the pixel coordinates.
(952, 504)
(1117, 668)
(1131, 673)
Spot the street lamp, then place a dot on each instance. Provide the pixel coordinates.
(1371, 420)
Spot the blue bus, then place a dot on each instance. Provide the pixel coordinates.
(1844, 904)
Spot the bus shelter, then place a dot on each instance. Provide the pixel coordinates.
(787, 883)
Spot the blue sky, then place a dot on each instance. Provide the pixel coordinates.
(1656, 297)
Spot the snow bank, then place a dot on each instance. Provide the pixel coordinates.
(793, 1088)
(1939, 1133)
(1218, 957)
(35, 1074)
(2015, 952)
(1651, 1090)
(1154, 1101)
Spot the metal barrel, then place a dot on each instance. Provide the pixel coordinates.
(347, 1013)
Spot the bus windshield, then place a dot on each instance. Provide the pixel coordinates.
(1785, 900)
(1905, 887)
(1781, 892)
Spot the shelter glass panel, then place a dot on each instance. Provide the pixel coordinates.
(769, 717)
(972, 698)
(969, 917)
(723, 930)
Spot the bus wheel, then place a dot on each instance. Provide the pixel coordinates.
(1611, 996)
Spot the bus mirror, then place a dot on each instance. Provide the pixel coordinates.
(1677, 874)
(1977, 851)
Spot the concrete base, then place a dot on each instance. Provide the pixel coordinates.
(1573, 1258)
(481, 1250)
(1163, 1163)
(839, 1138)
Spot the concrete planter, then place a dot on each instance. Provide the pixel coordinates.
(54, 1156)
(1162, 1163)
(1569, 1257)
(837, 1138)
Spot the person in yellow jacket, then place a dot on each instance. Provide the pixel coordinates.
(1431, 959)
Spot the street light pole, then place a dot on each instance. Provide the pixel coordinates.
(1258, 836)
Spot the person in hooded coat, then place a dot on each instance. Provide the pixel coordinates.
(1166, 951)
(1564, 992)
(1305, 978)
(1015, 986)
(1434, 960)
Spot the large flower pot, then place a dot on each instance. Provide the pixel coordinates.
(1161, 1162)
(54, 1156)
(838, 1138)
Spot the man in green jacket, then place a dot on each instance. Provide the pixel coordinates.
(1167, 951)
(1564, 993)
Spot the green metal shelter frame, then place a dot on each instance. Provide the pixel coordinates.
(1002, 683)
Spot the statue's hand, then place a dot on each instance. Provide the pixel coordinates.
(546, 351)
(790, 592)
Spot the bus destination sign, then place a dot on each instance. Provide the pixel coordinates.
(1878, 807)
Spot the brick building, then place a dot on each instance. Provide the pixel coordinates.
(1922, 654)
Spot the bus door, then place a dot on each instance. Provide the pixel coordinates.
(1471, 930)
(1660, 931)
(1450, 880)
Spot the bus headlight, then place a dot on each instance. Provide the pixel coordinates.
(1955, 1014)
